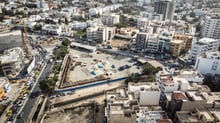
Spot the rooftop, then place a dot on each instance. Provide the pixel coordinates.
(206, 41)
(167, 80)
(188, 116)
(190, 73)
(195, 95)
(143, 86)
(177, 41)
(213, 55)
(12, 33)
(10, 55)
(179, 95)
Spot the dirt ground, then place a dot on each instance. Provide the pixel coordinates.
(48, 42)
(77, 115)
(119, 43)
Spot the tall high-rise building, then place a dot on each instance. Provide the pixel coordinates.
(165, 7)
(211, 26)
(141, 41)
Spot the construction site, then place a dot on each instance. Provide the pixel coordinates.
(86, 68)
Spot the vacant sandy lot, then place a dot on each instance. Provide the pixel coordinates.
(119, 43)
(77, 115)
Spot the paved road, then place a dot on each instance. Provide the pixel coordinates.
(31, 101)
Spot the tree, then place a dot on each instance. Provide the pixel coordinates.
(66, 42)
(130, 78)
(44, 86)
(56, 68)
(47, 85)
(80, 33)
(60, 52)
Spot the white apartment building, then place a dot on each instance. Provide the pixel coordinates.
(101, 10)
(52, 29)
(209, 63)
(211, 26)
(79, 25)
(141, 41)
(143, 23)
(191, 75)
(201, 46)
(151, 16)
(152, 115)
(100, 34)
(169, 84)
(145, 91)
(110, 19)
(91, 34)
(152, 43)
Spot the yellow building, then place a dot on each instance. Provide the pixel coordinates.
(180, 43)
(176, 47)
(186, 38)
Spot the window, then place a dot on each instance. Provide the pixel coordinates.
(215, 65)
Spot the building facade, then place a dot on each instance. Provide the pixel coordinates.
(110, 19)
(141, 41)
(209, 63)
(165, 7)
(201, 46)
(211, 26)
(100, 34)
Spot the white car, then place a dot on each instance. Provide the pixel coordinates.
(25, 96)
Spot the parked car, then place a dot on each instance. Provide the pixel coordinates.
(16, 102)
(11, 118)
(16, 109)
(20, 103)
(25, 96)
(9, 113)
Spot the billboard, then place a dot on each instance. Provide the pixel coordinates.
(31, 66)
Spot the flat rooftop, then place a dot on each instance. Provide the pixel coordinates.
(10, 55)
(177, 41)
(145, 86)
(206, 41)
(17, 32)
(186, 116)
(215, 112)
(195, 95)
(167, 79)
